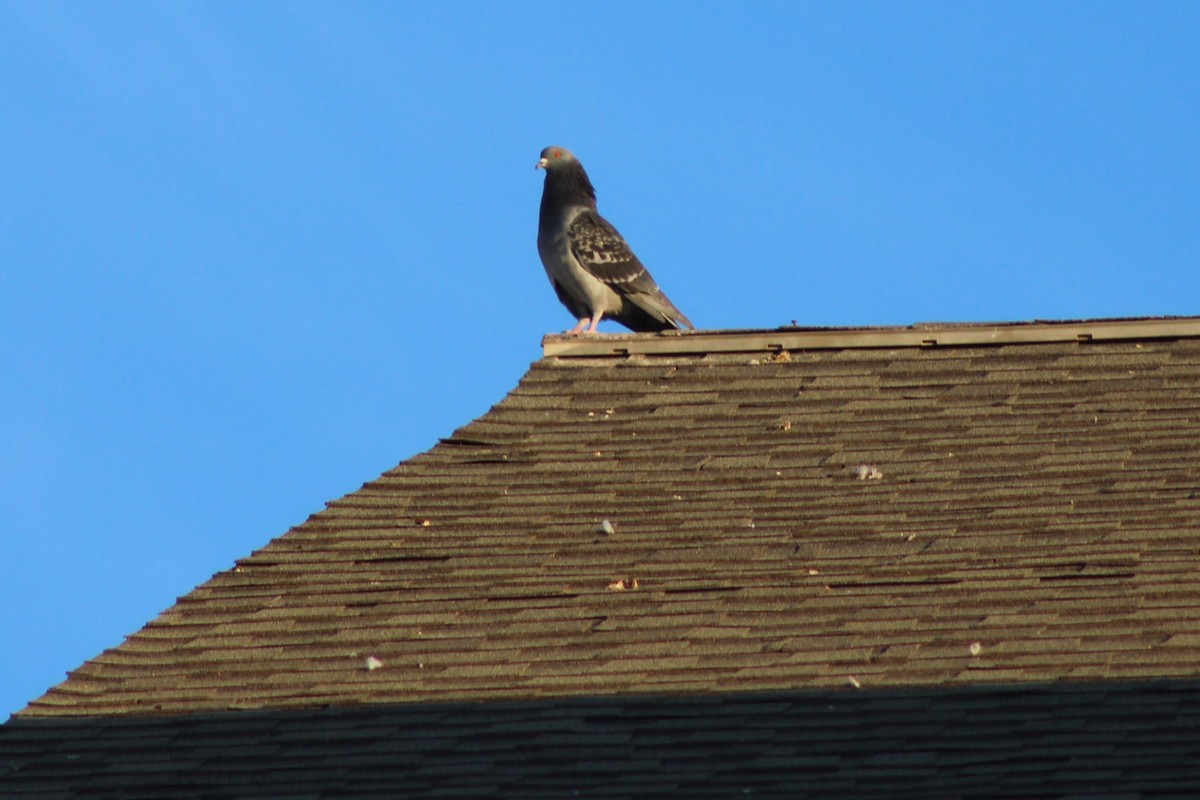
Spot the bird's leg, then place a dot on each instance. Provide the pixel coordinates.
(589, 322)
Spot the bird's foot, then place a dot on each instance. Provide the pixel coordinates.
(584, 326)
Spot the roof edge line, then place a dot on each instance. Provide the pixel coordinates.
(917, 335)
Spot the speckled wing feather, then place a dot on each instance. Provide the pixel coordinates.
(603, 252)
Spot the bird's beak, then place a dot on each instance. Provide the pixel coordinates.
(541, 164)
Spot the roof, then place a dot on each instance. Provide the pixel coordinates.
(903, 521)
(1037, 499)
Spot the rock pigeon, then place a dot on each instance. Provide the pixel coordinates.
(592, 269)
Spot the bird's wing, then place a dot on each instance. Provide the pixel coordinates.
(602, 251)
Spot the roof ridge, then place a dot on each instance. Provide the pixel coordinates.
(919, 334)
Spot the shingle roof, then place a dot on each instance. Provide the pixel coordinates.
(803, 514)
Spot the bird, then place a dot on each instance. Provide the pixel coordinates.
(590, 265)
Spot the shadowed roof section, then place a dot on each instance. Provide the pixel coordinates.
(702, 513)
(1068, 740)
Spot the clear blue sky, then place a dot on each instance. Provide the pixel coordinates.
(254, 254)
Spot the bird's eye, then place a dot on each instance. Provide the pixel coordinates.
(558, 153)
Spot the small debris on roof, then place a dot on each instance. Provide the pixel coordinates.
(976, 648)
(623, 585)
(607, 527)
(372, 663)
(853, 681)
(868, 472)
(778, 357)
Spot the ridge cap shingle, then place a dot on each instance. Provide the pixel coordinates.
(919, 334)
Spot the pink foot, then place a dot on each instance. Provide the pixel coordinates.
(580, 329)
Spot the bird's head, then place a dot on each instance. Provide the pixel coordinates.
(555, 157)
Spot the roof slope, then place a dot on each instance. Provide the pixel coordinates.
(893, 516)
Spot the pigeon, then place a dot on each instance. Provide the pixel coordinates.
(590, 266)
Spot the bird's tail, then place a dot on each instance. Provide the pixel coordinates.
(652, 312)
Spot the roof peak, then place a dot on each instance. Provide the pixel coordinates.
(920, 334)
